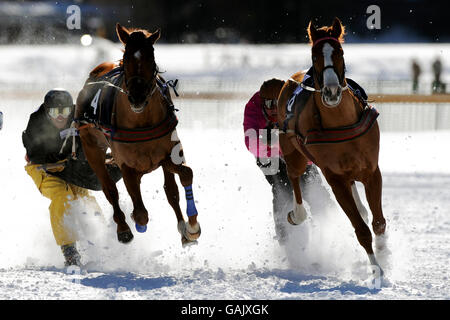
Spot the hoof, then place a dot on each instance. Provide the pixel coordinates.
(140, 228)
(289, 218)
(125, 236)
(187, 243)
(192, 235)
(187, 233)
(375, 267)
(298, 215)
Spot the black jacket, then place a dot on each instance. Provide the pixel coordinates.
(43, 143)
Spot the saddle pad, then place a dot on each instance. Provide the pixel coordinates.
(98, 106)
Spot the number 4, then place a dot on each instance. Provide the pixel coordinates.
(94, 102)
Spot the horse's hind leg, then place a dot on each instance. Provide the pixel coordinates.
(96, 158)
(373, 186)
(296, 166)
(191, 231)
(342, 191)
(132, 180)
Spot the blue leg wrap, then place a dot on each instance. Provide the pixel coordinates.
(140, 228)
(191, 209)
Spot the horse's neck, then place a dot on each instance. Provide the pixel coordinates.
(153, 113)
(345, 114)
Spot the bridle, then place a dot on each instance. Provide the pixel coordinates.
(319, 75)
(149, 85)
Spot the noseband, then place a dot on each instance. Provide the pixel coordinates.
(150, 85)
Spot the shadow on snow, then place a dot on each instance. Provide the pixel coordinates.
(128, 281)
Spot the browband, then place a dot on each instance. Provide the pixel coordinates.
(324, 38)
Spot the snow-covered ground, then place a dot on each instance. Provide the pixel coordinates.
(237, 256)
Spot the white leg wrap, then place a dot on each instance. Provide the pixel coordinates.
(362, 210)
(299, 215)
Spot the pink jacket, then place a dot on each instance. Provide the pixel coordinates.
(254, 120)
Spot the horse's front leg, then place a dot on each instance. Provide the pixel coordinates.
(373, 186)
(362, 210)
(296, 166)
(173, 196)
(342, 191)
(132, 180)
(190, 231)
(96, 159)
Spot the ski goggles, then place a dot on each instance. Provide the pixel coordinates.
(63, 111)
(270, 103)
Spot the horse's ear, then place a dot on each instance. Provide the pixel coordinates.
(154, 36)
(122, 33)
(337, 29)
(312, 32)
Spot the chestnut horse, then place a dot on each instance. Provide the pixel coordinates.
(140, 108)
(332, 106)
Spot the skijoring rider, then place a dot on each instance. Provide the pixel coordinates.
(260, 127)
(61, 173)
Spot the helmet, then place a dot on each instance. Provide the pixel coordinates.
(269, 92)
(270, 89)
(57, 98)
(58, 101)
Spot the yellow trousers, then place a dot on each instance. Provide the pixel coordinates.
(61, 194)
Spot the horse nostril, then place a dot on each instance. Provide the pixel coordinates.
(331, 90)
(131, 99)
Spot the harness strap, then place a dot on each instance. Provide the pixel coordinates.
(342, 134)
(142, 134)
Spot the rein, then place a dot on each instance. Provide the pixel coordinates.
(109, 84)
(304, 86)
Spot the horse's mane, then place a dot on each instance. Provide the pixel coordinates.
(327, 32)
(139, 32)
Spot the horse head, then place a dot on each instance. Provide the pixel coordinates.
(139, 65)
(328, 61)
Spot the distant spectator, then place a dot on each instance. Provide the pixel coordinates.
(416, 71)
(438, 86)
